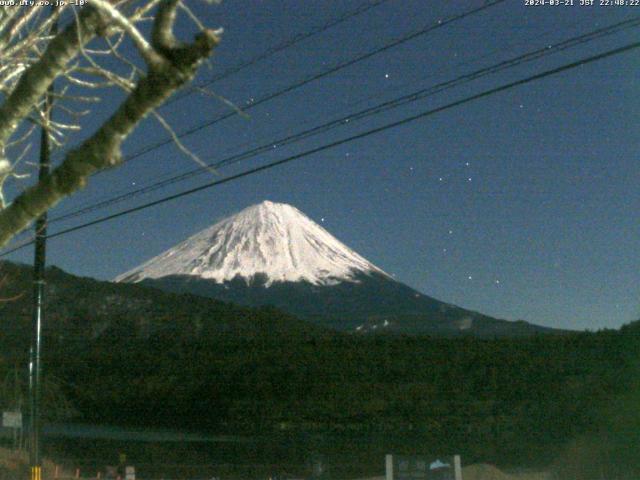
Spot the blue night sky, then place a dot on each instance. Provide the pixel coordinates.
(521, 205)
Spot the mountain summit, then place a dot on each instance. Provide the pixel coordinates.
(274, 241)
(273, 254)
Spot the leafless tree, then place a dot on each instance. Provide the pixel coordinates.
(80, 56)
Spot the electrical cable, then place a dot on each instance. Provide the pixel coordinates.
(385, 106)
(367, 133)
(280, 47)
(312, 78)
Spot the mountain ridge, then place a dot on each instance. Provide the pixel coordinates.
(370, 305)
(272, 254)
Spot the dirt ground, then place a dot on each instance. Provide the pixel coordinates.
(16, 465)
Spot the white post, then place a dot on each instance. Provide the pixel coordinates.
(389, 467)
(457, 467)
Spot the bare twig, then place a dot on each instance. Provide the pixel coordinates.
(170, 64)
(181, 146)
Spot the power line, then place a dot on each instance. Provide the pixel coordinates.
(427, 113)
(394, 103)
(312, 78)
(282, 46)
(392, 44)
(169, 175)
(431, 27)
(276, 49)
(151, 180)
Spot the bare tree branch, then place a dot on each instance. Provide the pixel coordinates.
(36, 79)
(146, 51)
(170, 64)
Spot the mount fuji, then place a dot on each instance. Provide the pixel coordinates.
(273, 241)
(273, 254)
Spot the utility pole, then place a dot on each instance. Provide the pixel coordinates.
(39, 263)
(35, 363)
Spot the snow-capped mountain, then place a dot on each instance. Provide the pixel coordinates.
(273, 240)
(273, 254)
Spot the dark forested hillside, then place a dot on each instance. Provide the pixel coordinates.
(371, 304)
(127, 354)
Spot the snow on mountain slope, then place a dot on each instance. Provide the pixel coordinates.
(272, 239)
